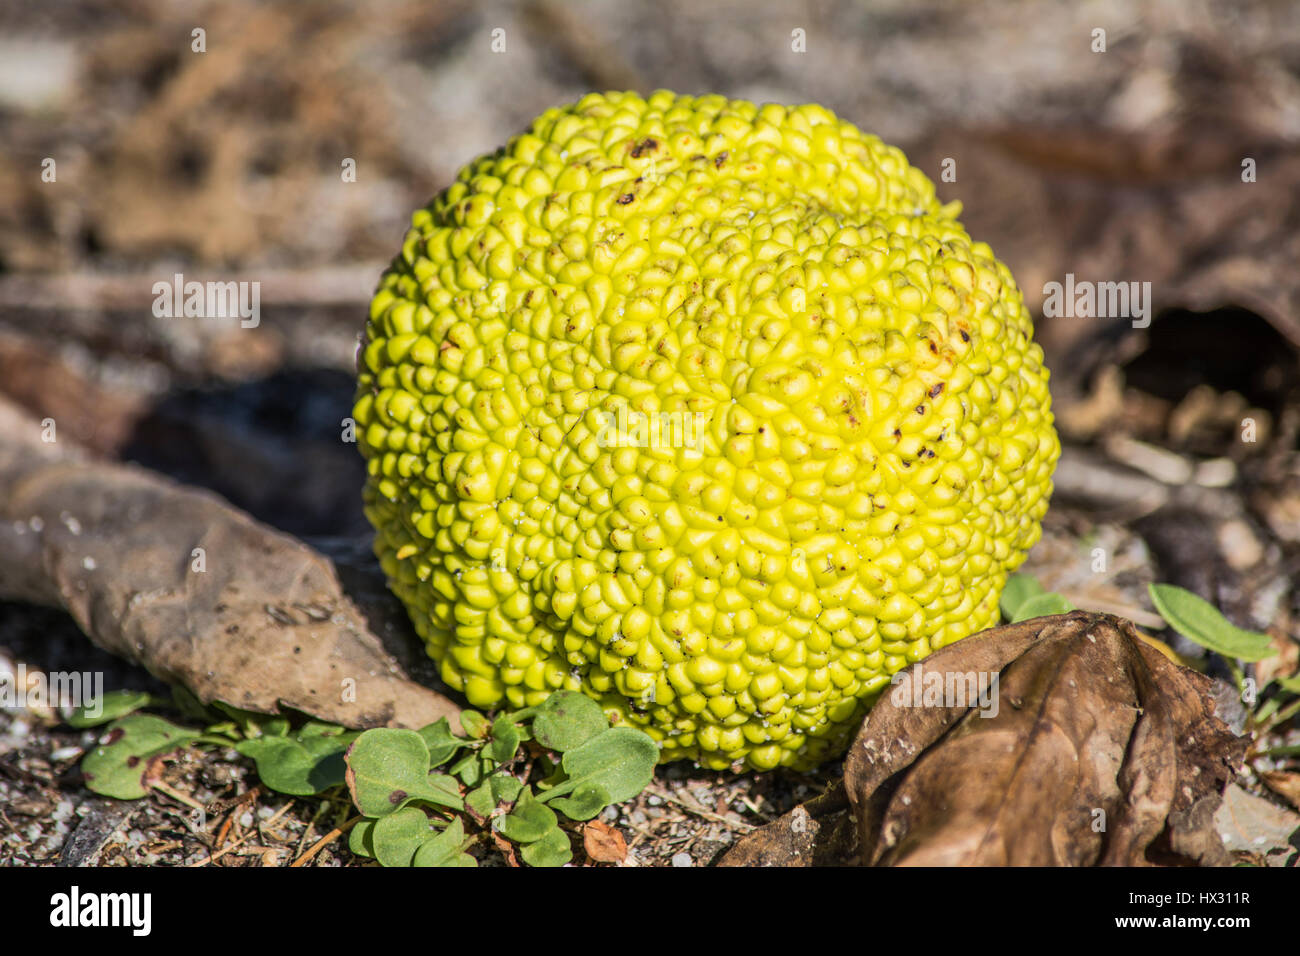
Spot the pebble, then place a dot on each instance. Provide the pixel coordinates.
(1241, 549)
(682, 859)
(246, 820)
(654, 800)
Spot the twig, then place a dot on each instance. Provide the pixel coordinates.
(225, 830)
(244, 839)
(699, 812)
(326, 839)
(212, 857)
(311, 825)
(177, 795)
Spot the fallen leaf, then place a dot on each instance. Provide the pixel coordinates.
(1285, 784)
(1096, 750)
(197, 592)
(817, 832)
(1251, 824)
(603, 843)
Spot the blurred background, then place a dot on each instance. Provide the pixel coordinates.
(1111, 141)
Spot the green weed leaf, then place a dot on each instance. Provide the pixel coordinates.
(445, 849)
(528, 821)
(442, 743)
(475, 724)
(568, 719)
(551, 849)
(1041, 605)
(117, 768)
(1198, 620)
(481, 800)
(1019, 589)
(505, 788)
(468, 768)
(397, 836)
(586, 800)
(621, 761)
(359, 837)
(387, 768)
(505, 740)
(108, 707)
(309, 762)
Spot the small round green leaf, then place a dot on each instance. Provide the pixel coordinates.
(1019, 589)
(505, 740)
(445, 848)
(528, 821)
(442, 743)
(621, 760)
(359, 838)
(468, 768)
(552, 849)
(505, 788)
(586, 800)
(481, 800)
(116, 768)
(568, 719)
(1041, 605)
(387, 768)
(397, 836)
(309, 762)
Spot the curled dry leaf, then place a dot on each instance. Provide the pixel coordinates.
(815, 833)
(192, 589)
(1090, 749)
(603, 843)
(1097, 750)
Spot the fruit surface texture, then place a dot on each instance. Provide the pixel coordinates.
(709, 410)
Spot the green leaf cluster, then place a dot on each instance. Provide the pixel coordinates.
(300, 762)
(427, 795)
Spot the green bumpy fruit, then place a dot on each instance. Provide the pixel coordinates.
(709, 410)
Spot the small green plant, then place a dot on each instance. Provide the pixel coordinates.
(301, 762)
(1023, 598)
(425, 796)
(1198, 620)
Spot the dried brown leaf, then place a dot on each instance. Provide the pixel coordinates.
(603, 843)
(817, 832)
(1251, 824)
(192, 589)
(1285, 784)
(1096, 750)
